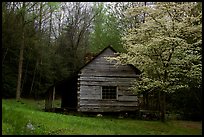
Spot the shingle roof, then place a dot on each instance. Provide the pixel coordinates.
(137, 71)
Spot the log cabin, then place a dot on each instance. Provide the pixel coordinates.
(99, 86)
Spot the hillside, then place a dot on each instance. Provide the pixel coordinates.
(27, 117)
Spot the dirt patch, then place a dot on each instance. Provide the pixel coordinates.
(190, 124)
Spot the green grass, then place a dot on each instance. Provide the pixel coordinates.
(16, 116)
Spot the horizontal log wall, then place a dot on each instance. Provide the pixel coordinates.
(101, 72)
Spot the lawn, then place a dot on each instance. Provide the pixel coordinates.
(28, 118)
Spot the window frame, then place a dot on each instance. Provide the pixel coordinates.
(109, 86)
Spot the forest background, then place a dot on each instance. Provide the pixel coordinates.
(46, 42)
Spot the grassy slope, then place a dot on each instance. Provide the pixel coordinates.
(15, 117)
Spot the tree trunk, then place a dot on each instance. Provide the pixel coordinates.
(50, 27)
(163, 98)
(4, 56)
(40, 15)
(25, 75)
(20, 65)
(160, 105)
(31, 88)
(53, 97)
(145, 3)
(147, 101)
(163, 107)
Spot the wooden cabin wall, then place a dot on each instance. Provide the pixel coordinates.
(101, 72)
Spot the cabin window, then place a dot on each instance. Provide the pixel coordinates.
(109, 92)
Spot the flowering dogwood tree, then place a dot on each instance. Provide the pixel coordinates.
(166, 47)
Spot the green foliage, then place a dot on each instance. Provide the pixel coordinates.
(54, 5)
(167, 49)
(10, 52)
(40, 61)
(72, 42)
(105, 30)
(163, 47)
